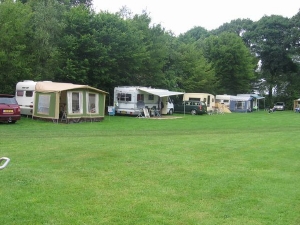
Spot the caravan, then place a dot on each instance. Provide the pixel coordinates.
(209, 99)
(25, 91)
(131, 99)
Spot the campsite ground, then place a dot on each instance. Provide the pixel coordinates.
(238, 168)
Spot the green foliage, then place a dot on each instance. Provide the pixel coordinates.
(270, 40)
(233, 64)
(238, 26)
(14, 19)
(65, 40)
(46, 31)
(196, 74)
(193, 35)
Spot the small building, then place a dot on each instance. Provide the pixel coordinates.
(66, 102)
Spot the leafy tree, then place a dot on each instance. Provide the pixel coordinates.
(269, 39)
(232, 61)
(193, 35)
(46, 31)
(14, 19)
(238, 26)
(77, 46)
(87, 3)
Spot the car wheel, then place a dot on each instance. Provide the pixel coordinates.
(193, 112)
(171, 112)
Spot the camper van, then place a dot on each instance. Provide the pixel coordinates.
(209, 99)
(129, 100)
(25, 91)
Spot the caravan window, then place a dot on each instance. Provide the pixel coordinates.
(75, 100)
(150, 97)
(124, 97)
(195, 99)
(29, 93)
(92, 100)
(240, 105)
(20, 93)
(140, 97)
(43, 104)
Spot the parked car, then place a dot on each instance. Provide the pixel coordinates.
(192, 107)
(279, 106)
(9, 109)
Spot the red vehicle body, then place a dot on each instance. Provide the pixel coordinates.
(9, 109)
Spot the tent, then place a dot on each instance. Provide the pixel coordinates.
(66, 102)
(256, 99)
(241, 103)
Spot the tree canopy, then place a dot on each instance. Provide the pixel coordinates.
(67, 41)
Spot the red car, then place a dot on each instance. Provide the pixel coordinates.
(9, 109)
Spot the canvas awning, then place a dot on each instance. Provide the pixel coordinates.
(160, 92)
(47, 87)
(241, 98)
(252, 95)
(257, 96)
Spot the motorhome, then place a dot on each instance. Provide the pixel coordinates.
(209, 99)
(130, 99)
(25, 91)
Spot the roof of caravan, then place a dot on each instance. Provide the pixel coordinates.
(56, 87)
(240, 98)
(160, 92)
(252, 95)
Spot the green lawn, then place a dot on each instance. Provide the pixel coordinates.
(238, 168)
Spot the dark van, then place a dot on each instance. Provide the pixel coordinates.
(192, 107)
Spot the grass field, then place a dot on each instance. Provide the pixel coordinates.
(239, 168)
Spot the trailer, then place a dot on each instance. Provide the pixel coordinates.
(25, 91)
(129, 100)
(209, 99)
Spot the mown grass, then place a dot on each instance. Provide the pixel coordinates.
(239, 168)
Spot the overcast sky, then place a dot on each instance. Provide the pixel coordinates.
(180, 16)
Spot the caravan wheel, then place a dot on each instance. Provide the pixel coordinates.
(171, 112)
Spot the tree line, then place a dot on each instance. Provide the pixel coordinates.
(67, 41)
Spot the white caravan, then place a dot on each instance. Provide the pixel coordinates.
(130, 99)
(25, 92)
(209, 99)
(223, 99)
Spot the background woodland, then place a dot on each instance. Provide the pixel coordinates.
(67, 41)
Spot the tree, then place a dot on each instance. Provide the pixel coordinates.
(14, 19)
(238, 26)
(269, 39)
(232, 61)
(46, 31)
(193, 35)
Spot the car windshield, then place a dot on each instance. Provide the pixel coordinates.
(7, 101)
(279, 103)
